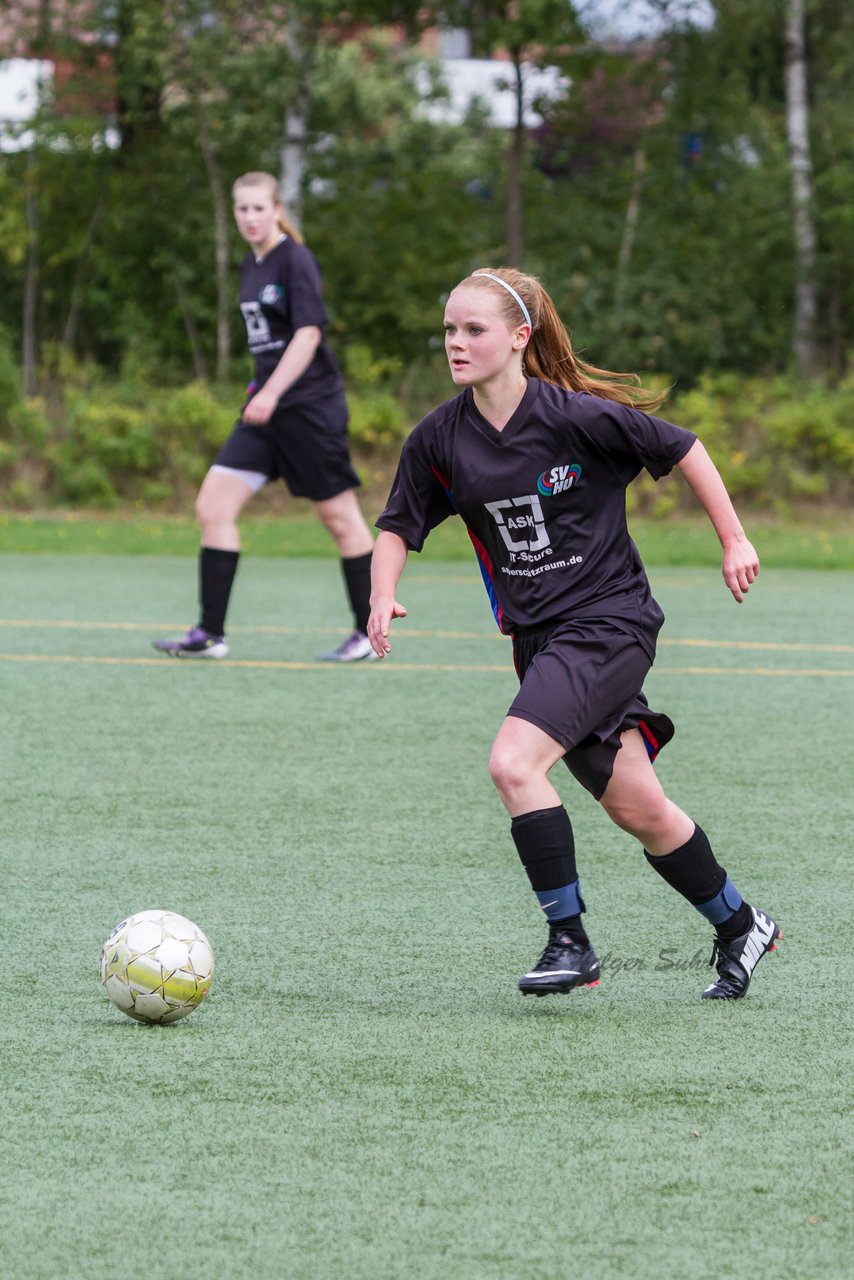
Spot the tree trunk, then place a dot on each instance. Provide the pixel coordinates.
(69, 332)
(629, 227)
(800, 166)
(295, 122)
(221, 224)
(836, 354)
(31, 283)
(190, 326)
(139, 88)
(45, 25)
(292, 155)
(515, 154)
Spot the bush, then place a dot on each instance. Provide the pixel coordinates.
(10, 377)
(108, 443)
(377, 421)
(100, 443)
(377, 417)
(775, 441)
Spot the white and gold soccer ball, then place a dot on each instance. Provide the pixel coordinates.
(157, 966)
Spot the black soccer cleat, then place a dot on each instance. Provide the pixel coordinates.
(563, 965)
(737, 958)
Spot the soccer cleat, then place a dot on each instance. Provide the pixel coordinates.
(737, 958)
(197, 643)
(356, 648)
(562, 966)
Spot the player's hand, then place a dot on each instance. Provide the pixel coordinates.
(740, 568)
(382, 613)
(259, 409)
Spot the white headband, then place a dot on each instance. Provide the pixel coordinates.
(511, 291)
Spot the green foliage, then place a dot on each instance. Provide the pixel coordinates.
(377, 420)
(377, 416)
(395, 208)
(99, 442)
(102, 443)
(398, 205)
(777, 442)
(10, 375)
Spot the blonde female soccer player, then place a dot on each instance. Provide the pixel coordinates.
(535, 455)
(293, 425)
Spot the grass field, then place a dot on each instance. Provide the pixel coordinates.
(365, 1094)
(810, 543)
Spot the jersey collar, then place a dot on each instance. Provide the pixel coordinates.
(513, 425)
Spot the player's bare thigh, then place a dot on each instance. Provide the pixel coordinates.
(221, 498)
(342, 516)
(634, 798)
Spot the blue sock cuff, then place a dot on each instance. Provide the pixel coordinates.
(558, 904)
(723, 905)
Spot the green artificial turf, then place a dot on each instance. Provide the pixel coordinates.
(365, 1094)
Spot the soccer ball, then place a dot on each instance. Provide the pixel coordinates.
(156, 966)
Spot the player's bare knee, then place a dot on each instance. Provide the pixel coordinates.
(207, 508)
(619, 814)
(509, 771)
(336, 525)
(647, 817)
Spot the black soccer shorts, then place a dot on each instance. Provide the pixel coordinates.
(582, 684)
(306, 444)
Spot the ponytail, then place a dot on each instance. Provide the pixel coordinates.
(288, 227)
(549, 354)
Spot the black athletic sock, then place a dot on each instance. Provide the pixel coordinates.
(546, 848)
(573, 926)
(357, 580)
(216, 577)
(693, 871)
(741, 921)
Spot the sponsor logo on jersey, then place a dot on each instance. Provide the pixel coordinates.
(521, 515)
(558, 479)
(270, 294)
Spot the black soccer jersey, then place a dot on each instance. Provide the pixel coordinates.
(279, 294)
(543, 501)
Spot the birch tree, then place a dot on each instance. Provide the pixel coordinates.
(800, 164)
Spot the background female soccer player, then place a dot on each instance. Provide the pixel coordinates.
(293, 425)
(535, 455)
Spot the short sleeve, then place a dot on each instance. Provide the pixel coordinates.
(635, 438)
(419, 498)
(303, 289)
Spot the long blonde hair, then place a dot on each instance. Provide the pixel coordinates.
(549, 354)
(267, 180)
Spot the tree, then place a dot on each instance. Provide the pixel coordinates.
(800, 161)
(655, 202)
(530, 33)
(397, 207)
(29, 349)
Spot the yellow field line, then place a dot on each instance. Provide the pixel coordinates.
(403, 633)
(749, 671)
(276, 665)
(775, 645)
(249, 663)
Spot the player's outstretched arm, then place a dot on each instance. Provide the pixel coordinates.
(387, 562)
(740, 561)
